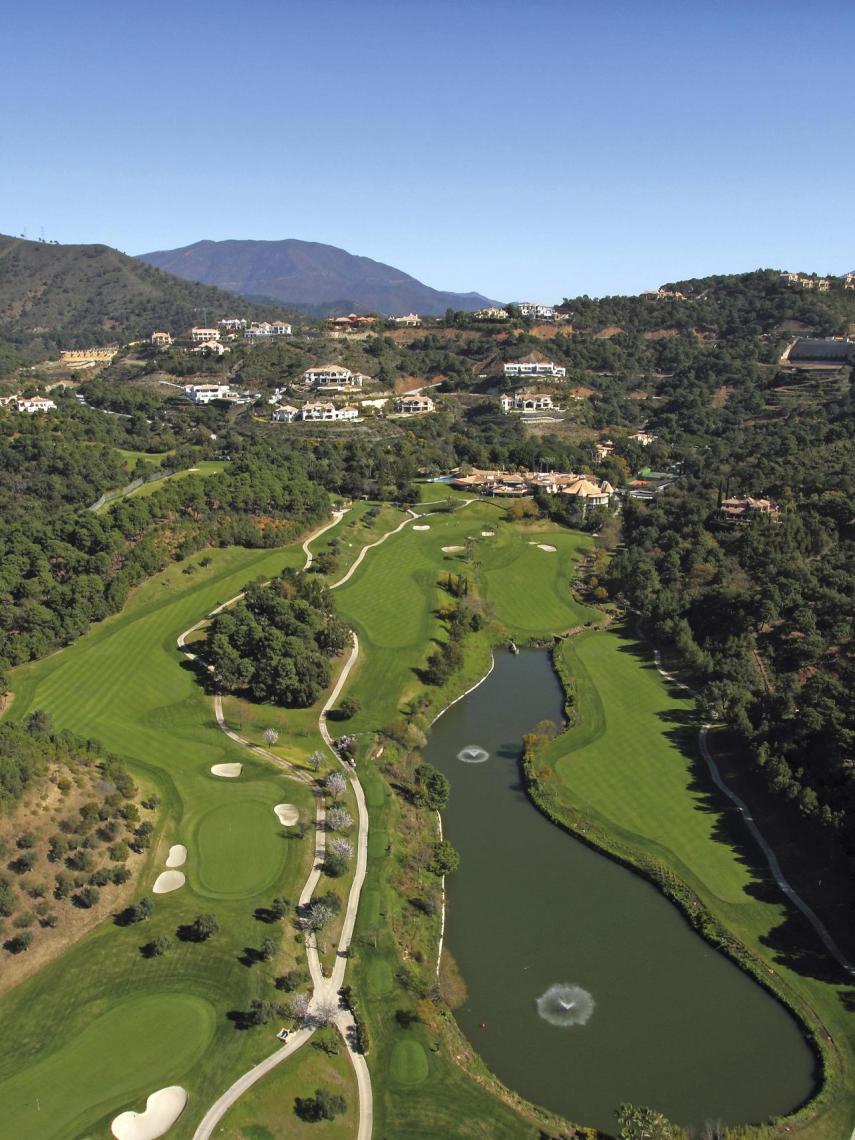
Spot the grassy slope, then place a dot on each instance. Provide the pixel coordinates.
(267, 1109)
(125, 683)
(631, 768)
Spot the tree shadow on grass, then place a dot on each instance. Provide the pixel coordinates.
(794, 942)
(251, 956)
(241, 1019)
(187, 932)
(266, 915)
(126, 917)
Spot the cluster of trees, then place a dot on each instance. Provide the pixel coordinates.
(276, 644)
(464, 617)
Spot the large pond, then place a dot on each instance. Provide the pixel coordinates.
(644, 1010)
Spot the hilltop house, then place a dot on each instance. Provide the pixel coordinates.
(351, 321)
(267, 328)
(491, 313)
(645, 438)
(206, 393)
(211, 348)
(198, 335)
(533, 365)
(536, 311)
(806, 281)
(33, 404)
(232, 324)
(849, 280)
(161, 339)
(526, 402)
(664, 295)
(286, 414)
(414, 405)
(410, 321)
(332, 377)
(328, 412)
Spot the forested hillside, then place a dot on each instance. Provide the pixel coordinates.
(76, 296)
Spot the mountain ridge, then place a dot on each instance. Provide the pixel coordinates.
(308, 275)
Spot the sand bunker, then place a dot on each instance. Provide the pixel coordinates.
(487, 533)
(168, 881)
(162, 1109)
(227, 771)
(545, 546)
(177, 856)
(424, 526)
(287, 814)
(452, 549)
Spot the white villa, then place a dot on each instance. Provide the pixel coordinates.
(33, 404)
(267, 328)
(198, 335)
(206, 393)
(849, 280)
(410, 321)
(533, 366)
(526, 402)
(286, 414)
(414, 405)
(211, 348)
(328, 412)
(490, 314)
(645, 438)
(333, 377)
(537, 311)
(161, 339)
(232, 324)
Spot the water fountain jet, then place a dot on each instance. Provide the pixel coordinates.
(565, 1005)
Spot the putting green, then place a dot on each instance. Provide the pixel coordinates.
(240, 848)
(530, 587)
(120, 1058)
(408, 1064)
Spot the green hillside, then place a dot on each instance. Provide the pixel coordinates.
(74, 296)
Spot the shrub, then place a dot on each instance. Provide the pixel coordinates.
(324, 1105)
(20, 942)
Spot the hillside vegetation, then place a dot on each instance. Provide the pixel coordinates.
(75, 296)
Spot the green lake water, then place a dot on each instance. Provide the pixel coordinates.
(674, 1024)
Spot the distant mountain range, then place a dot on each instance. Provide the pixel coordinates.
(307, 275)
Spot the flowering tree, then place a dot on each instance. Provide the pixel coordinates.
(300, 1007)
(270, 735)
(341, 848)
(335, 785)
(339, 819)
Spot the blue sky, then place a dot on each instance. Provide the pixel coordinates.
(531, 149)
